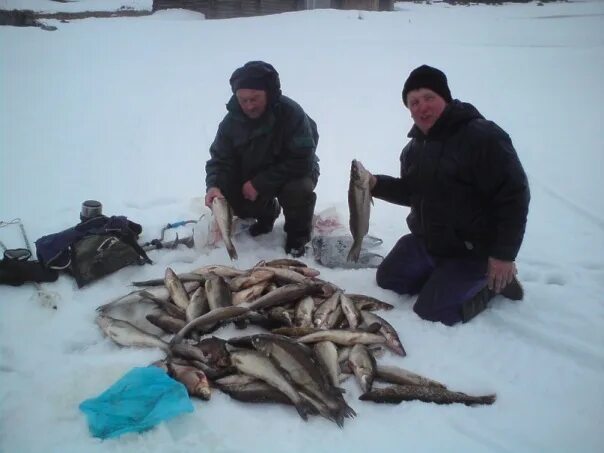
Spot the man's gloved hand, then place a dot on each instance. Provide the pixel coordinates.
(500, 273)
(249, 192)
(213, 192)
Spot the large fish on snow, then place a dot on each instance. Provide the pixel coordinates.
(359, 205)
(395, 394)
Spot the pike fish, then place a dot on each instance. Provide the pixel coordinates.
(298, 362)
(185, 277)
(218, 292)
(283, 295)
(257, 365)
(350, 311)
(176, 289)
(167, 323)
(209, 319)
(363, 302)
(198, 305)
(248, 389)
(303, 312)
(359, 205)
(223, 271)
(248, 294)
(344, 337)
(125, 334)
(246, 281)
(327, 356)
(224, 219)
(363, 366)
(396, 375)
(392, 340)
(323, 311)
(395, 394)
(193, 379)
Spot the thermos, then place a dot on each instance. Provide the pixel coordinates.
(90, 209)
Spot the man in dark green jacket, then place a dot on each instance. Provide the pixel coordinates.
(263, 157)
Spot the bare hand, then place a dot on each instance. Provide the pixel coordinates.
(500, 273)
(213, 192)
(249, 192)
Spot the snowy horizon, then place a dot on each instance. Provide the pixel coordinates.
(123, 110)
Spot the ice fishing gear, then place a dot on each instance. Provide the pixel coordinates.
(159, 243)
(331, 251)
(16, 268)
(93, 248)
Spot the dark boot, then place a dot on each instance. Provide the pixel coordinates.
(296, 247)
(476, 304)
(298, 200)
(513, 290)
(265, 222)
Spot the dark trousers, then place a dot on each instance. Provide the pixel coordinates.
(443, 284)
(296, 197)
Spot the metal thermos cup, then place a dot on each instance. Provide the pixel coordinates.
(90, 209)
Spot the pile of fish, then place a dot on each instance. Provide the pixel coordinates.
(314, 336)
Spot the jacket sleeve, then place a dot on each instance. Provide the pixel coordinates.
(504, 184)
(296, 158)
(221, 164)
(391, 189)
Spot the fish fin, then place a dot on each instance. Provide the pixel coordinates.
(355, 251)
(232, 253)
(304, 408)
(373, 328)
(346, 411)
(487, 399)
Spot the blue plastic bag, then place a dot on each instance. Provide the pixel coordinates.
(138, 401)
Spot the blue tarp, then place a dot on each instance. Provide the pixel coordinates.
(138, 401)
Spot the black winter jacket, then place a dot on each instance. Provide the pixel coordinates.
(467, 190)
(269, 151)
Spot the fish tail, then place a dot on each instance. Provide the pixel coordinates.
(355, 251)
(345, 410)
(232, 252)
(487, 399)
(397, 348)
(304, 408)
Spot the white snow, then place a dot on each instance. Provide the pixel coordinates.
(123, 111)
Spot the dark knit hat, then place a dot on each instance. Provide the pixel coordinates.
(257, 75)
(427, 77)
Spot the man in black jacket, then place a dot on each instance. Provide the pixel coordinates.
(469, 199)
(263, 157)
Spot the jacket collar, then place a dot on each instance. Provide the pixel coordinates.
(455, 115)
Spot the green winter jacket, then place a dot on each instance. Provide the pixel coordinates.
(270, 151)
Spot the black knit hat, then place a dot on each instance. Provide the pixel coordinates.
(257, 75)
(427, 77)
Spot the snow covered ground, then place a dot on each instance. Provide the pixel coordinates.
(123, 111)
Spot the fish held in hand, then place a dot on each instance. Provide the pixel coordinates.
(224, 219)
(359, 205)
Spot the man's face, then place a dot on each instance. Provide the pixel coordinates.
(252, 102)
(426, 107)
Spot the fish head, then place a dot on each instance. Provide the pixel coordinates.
(103, 322)
(261, 344)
